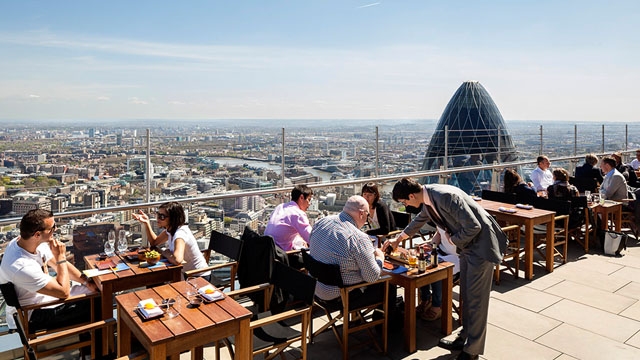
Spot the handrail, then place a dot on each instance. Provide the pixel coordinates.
(278, 190)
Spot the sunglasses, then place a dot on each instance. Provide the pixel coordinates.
(161, 216)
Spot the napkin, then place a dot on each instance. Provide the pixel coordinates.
(504, 209)
(215, 295)
(523, 206)
(149, 313)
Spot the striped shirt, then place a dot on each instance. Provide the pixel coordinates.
(337, 240)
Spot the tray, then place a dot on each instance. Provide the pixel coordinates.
(138, 311)
(396, 259)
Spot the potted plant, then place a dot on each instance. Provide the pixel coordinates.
(152, 257)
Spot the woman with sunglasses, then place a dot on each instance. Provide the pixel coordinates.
(182, 246)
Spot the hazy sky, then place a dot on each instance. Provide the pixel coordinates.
(302, 59)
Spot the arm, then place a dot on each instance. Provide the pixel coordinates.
(455, 210)
(536, 176)
(367, 259)
(154, 240)
(301, 224)
(59, 286)
(177, 257)
(416, 224)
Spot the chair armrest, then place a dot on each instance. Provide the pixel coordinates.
(70, 299)
(279, 317)
(231, 264)
(510, 228)
(73, 331)
(249, 290)
(289, 252)
(381, 279)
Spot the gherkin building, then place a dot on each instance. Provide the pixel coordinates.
(470, 132)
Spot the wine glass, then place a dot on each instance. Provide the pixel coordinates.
(108, 248)
(122, 241)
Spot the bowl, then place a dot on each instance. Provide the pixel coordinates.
(153, 260)
(195, 301)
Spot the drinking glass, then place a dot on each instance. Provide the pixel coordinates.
(122, 245)
(587, 194)
(172, 307)
(413, 258)
(109, 250)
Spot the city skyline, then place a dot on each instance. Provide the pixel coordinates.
(539, 60)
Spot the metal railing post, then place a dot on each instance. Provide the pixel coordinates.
(377, 153)
(282, 158)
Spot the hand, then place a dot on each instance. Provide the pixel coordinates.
(393, 243)
(141, 216)
(58, 249)
(91, 285)
(378, 254)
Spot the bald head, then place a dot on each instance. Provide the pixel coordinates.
(358, 208)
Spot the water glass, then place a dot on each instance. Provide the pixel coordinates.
(587, 194)
(109, 249)
(172, 307)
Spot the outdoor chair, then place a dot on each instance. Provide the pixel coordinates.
(509, 198)
(227, 246)
(360, 315)
(561, 229)
(39, 343)
(274, 331)
(511, 256)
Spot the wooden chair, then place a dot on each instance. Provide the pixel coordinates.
(509, 198)
(355, 316)
(582, 183)
(511, 254)
(46, 342)
(578, 220)
(561, 235)
(273, 331)
(227, 246)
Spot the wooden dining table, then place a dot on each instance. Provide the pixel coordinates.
(193, 328)
(528, 219)
(411, 283)
(134, 277)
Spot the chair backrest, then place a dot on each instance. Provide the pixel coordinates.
(296, 283)
(225, 245)
(509, 198)
(10, 295)
(584, 183)
(561, 207)
(402, 219)
(328, 274)
(23, 337)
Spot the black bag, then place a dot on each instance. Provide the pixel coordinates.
(612, 242)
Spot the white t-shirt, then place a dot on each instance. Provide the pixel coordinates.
(193, 258)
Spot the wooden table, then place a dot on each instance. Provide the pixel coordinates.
(134, 277)
(528, 219)
(191, 330)
(410, 283)
(611, 209)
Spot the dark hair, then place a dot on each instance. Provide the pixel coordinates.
(176, 216)
(404, 187)
(33, 221)
(511, 180)
(561, 174)
(541, 158)
(301, 190)
(371, 187)
(610, 160)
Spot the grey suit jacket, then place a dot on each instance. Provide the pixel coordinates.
(615, 186)
(472, 229)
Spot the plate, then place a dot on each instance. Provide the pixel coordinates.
(140, 313)
(397, 258)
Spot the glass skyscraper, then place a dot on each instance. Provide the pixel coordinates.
(471, 131)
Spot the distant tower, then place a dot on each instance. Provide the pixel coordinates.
(477, 135)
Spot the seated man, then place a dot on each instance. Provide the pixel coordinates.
(25, 264)
(289, 226)
(541, 176)
(337, 239)
(588, 175)
(614, 185)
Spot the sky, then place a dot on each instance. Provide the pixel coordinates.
(344, 59)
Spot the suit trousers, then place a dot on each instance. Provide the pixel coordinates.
(476, 277)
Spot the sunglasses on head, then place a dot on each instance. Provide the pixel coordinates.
(161, 216)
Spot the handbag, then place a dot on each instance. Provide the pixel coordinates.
(614, 242)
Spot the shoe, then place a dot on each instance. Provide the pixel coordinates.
(434, 313)
(455, 344)
(423, 307)
(466, 356)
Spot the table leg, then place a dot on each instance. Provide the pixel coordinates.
(107, 313)
(410, 317)
(528, 249)
(618, 218)
(124, 337)
(243, 348)
(197, 353)
(550, 248)
(447, 297)
(158, 352)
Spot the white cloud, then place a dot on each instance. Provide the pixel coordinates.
(369, 5)
(135, 100)
(103, 98)
(32, 96)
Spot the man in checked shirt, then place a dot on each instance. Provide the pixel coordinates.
(337, 239)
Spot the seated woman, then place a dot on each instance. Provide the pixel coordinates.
(513, 183)
(182, 246)
(561, 189)
(430, 307)
(380, 220)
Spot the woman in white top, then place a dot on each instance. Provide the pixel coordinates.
(182, 247)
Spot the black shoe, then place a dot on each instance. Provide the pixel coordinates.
(466, 356)
(455, 344)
